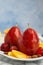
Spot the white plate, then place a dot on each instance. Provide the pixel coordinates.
(30, 59)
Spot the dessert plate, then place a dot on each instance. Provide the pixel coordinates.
(19, 59)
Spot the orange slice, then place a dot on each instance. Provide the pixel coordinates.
(19, 54)
(0, 34)
(41, 44)
(6, 31)
(10, 54)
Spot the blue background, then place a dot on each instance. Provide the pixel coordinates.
(21, 12)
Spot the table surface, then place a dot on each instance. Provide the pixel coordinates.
(7, 61)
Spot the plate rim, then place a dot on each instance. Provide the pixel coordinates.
(19, 59)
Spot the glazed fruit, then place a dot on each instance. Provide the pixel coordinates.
(40, 51)
(5, 47)
(13, 35)
(30, 42)
(13, 48)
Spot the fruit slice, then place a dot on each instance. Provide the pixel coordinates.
(0, 34)
(6, 31)
(41, 44)
(19, 54)
(10, 54)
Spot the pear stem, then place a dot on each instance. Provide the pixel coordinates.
(16, 24)
(28, 25)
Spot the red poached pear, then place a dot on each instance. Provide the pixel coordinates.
(13, 35)
(13, 48)
(30, 42)
(5, 47)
